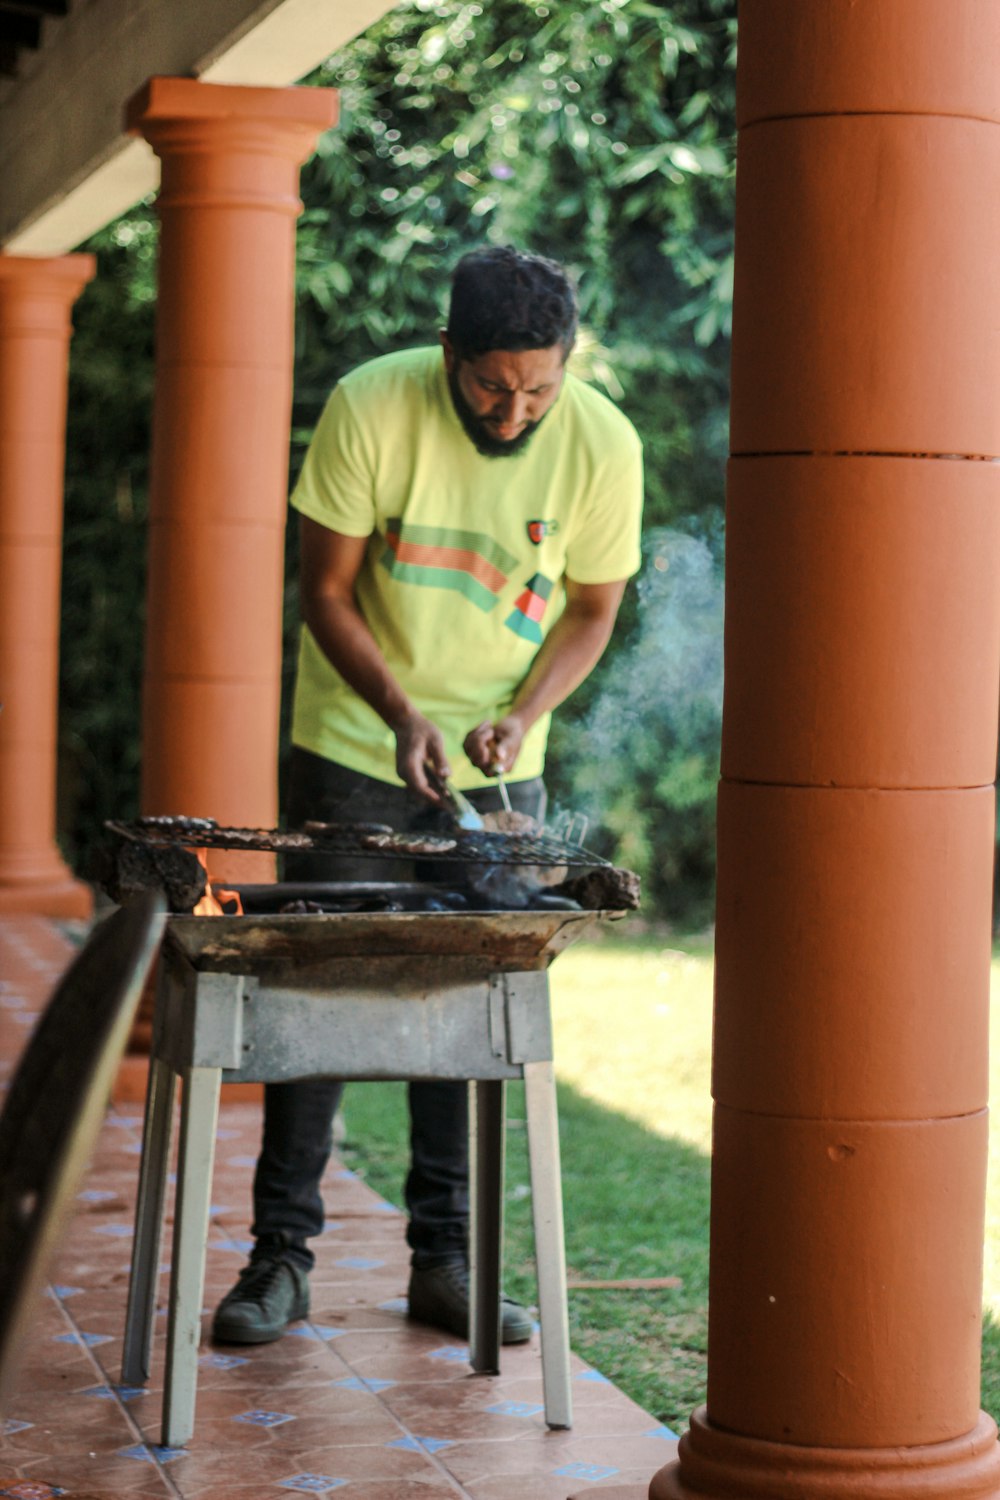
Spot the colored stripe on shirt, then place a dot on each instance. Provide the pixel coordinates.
(469, 562)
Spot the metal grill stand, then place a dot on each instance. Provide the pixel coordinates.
(358, 997)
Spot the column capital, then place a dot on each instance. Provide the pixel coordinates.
(174, 113)
(66, 273)
(36, 292)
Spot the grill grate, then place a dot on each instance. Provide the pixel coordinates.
(468, 847)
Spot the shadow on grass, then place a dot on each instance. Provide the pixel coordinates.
(636, 1205)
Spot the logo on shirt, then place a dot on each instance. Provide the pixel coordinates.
(539, 530)
(526, 616)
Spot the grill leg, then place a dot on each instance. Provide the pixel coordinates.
(486, 1161)
(196, 1154)
(156, 1129)
(550, 1246)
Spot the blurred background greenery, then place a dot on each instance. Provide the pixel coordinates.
(600, 132)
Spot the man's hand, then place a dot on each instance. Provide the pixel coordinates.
(494, 748)
(568, 654)
(419, 746)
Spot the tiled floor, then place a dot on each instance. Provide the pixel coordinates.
(357, 1399)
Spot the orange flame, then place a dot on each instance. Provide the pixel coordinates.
(209, 905)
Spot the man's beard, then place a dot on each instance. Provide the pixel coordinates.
(477, 431)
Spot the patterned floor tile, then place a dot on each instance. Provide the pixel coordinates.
(357, 1400)
(28, 1489)
(312, 1484)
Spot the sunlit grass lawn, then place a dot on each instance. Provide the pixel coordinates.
(632, 1019)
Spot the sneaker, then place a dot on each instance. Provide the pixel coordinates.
(439, 1295)
(271, 1292)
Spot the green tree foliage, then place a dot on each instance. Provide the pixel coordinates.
(596, 131)
(599, 133)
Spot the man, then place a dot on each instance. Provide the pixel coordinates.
(470, 517)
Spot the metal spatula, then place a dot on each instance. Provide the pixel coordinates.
(502, 789)
(457, 803)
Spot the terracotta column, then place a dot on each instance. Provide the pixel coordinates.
(35, 301)
(228, 204)
(859, 747)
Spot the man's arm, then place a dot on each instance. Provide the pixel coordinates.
(330, 566)
(568, 654)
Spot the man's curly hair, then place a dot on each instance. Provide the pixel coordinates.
(502, 298)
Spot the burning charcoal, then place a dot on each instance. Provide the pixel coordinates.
(453, 900)
(365, 901)
(301, 908)
(543, 900)
(129, 869)
(604, 889)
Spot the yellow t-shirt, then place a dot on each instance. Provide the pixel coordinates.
(462, 579)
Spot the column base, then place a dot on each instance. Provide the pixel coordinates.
(61, 896)
(614, 1492)
(717, 1465)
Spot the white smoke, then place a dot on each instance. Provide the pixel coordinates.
(658, 716)
(673, 669)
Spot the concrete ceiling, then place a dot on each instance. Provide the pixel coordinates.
(67, 67)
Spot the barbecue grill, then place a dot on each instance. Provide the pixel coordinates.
(355, 988)
(347, 840)
(465, 870)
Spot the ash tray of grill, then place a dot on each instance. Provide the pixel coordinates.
(309, 898)
(320, 898)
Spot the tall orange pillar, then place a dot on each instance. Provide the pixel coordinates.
(228, 205)
(856, 814)
(35, 301)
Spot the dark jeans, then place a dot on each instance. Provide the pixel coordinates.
(298, 1117)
